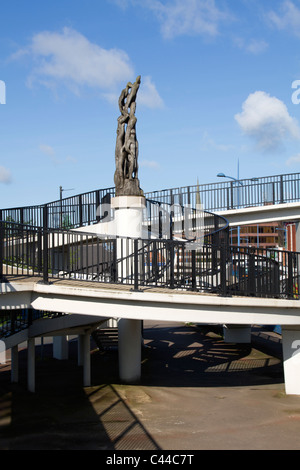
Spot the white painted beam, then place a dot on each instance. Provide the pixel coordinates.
(262, 214)
(161, 305)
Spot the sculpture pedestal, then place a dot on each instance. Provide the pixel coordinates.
(128, 215)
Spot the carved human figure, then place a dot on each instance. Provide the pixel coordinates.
(133, 92)
(126, 152)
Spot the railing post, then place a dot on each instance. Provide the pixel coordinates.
(172, 265)
(160, 234)
(281, 199)
(231, 195)
(276, 278)
(223, 269)
(80, 210)
(154, 262)
(251, 274)
(193, 252)
(22, 215)
(97, 206)
(136, 264)
(1, 248)
(290, 275)
(45, 244)
(228, 198)
(114, 262)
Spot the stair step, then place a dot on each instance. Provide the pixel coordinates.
(106, 338)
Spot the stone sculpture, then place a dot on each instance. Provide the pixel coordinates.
(126, 152)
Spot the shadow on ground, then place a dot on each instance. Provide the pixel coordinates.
(198, 357)
(62, 414)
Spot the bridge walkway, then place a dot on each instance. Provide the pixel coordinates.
(95, 302)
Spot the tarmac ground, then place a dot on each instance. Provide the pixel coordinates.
(197, 393)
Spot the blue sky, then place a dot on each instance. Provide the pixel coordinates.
(216, 88)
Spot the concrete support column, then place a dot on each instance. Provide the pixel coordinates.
(2, 352)
(128, 219)
(86, 359)
(130, 350)
(15, 364)
(291, 359)
(31, 364)
(60, 347)
(237, 333)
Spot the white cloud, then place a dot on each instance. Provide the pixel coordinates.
(70, 58)
(184, 17)
(50, 152)
(5, 175)
(266, 120)
(148, 94)
(254, 46)
(287, 18)
(208, 142)
(149, 164)
(293, 161)
(47, 149)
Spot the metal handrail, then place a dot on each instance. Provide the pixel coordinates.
(83, 209)
(218, 267)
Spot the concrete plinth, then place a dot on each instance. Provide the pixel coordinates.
(291, 359)
(130, 338)
(237, 333)
(128, 215)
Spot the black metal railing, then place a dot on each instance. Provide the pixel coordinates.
(226, 195)
(89, 208)
(72, 212)
(14, 321)
(221, 269)
(164, 220)
(190, 265)
(36, 251)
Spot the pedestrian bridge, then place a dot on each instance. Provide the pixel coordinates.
(69, 275)
(285, 212)
(91, 304)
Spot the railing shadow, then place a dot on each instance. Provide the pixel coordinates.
(62, 415)
(199, 357)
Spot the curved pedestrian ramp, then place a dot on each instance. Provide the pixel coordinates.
(182, 268)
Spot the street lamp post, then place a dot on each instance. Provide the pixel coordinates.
(222, 175)
(236, 180)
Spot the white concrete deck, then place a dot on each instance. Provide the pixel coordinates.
(121, 301)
